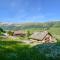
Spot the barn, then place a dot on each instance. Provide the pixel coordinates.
(19, 33)
(44, 37)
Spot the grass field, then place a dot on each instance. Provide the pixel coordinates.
(18, 51)
(55, 31)
(13, 50)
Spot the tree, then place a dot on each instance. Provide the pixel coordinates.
(1, 30)
(28, 34)
(10, 33)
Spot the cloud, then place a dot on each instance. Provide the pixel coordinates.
(37, 17)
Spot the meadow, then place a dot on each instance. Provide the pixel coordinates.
(13, 50)
(16, 50)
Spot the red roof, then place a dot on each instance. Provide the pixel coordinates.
(19, 32)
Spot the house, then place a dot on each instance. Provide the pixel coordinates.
(44, 37)
(19, 33)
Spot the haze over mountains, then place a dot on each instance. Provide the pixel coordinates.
(32, 25)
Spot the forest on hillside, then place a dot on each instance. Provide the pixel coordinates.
(24, 26)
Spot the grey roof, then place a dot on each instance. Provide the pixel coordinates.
(39, 35)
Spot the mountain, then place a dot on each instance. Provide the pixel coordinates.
(24, 26)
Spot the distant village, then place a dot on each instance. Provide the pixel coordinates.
(39, 36)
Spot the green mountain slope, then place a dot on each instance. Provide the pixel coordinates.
(25, 26)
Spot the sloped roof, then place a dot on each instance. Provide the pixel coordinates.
(19, 32)
(39, 35)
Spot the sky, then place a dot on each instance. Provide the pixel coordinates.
(29, 10)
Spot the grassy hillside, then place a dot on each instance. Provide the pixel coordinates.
(15, 50)
(53, 27)
(26, 26)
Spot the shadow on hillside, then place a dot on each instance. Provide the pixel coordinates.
(51, 51)
(13, 50)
